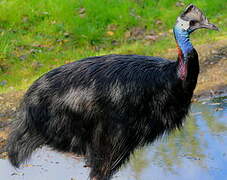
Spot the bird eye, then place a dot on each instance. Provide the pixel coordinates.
(193, 22)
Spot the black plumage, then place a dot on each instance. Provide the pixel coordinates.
(103, 108)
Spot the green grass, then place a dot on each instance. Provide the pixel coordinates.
(36, 36)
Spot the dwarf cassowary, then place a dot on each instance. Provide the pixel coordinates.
(104, 107)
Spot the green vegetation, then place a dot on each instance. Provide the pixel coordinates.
(36, 36)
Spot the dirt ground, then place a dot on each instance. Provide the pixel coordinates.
(212, 82)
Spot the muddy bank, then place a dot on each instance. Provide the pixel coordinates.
(212, 82)
(213, 71)
(8, 106)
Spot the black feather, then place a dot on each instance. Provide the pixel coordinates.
(103, 108)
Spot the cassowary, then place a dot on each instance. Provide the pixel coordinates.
(104, 107)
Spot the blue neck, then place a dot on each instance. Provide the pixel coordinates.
(183, 41)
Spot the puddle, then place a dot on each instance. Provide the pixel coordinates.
(197, 152)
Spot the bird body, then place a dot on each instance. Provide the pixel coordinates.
(104, 107)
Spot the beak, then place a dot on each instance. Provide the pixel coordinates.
(210, 26)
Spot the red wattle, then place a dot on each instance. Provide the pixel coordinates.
(182, 67)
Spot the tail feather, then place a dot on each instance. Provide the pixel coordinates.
(23, 140)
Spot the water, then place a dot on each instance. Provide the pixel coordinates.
(197, 152)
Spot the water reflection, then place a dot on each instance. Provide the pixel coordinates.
(197, 152)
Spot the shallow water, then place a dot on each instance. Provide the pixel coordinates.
(197, 152)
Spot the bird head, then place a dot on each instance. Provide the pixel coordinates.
(193, 18)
